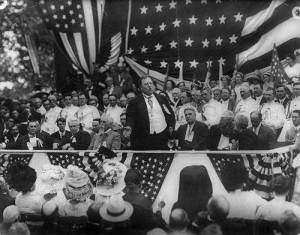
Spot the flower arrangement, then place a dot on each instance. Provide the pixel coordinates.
(109, 174)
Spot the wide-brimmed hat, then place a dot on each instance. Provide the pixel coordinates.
(77, 184)
(116, 210)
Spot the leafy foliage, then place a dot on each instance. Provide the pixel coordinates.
(17, 19)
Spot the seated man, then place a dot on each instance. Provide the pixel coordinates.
(31, 141)
(61, 135)
(179, 221)
(109, 137)
(79, 140)
(220, 135)
(194, 134)
(266, 135)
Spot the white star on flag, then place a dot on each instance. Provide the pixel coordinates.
(222, 19)
(158, 47)
(193, 20)
(144, 10)
(209, 21)
(193, 64)
(148, 29)
(130, 51)
(162, 27)
(176, 23)
(189, 42)
(187, 2)
(173, 44)
(233, 38)
(159, 7)
(205, 43)
(219, 41)
(222, 61)
(163, 64)
(133, 30)
(238, 17)
(144, 49)
(178, 64)
(172, 4)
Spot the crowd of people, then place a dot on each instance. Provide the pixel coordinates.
(238, 112)
(77, 209)
(235, 113)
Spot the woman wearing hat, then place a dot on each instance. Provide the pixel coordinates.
(75, 199)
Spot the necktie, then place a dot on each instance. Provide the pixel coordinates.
(190, 131)
(150, 102)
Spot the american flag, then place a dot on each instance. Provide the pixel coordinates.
(76, 26)
(261, 167)
(153, 168)
(6, 160)
(277, 71)
(203, 33)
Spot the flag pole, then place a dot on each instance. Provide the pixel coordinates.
(220, 73)
(180, 78)
(166, 77)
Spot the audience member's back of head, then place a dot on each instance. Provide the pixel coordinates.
(49, 211)
(280, 184)
(11, 214)
(132, 179)
(212, 229)
(93, 212)
(179, 219)
(156, 231)
(21, 177)
(218, 208)
(234, 176)
(290, 223)
(19, 229)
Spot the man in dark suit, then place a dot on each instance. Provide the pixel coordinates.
(61, 135)
(111, 88)
(194, 134)
(220, 135)
(243, 138)
(266, 135)
(15, 136)
(150, 116)
(281, 96)
(79, 140)
(31, 141)
(258, 93)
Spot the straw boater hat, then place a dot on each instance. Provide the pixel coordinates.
(77, 184)
(116, 210)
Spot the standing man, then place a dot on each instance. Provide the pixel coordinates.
(86, 114)
(273, 114)
(114, 110)
(150, 116)
(69, 111)
(281, 96)
(194, 134)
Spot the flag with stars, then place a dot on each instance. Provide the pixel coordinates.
(277, 70)
(153, 168)
(261, 168)
(198, 34)
(76, 26)
(7, 160)
(66, 159)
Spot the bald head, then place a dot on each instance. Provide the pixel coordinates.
(179, 219)
(218, 208)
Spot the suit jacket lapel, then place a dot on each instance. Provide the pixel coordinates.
(143, 107)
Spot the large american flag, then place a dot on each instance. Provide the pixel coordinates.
(76, 26)
(198, 34)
